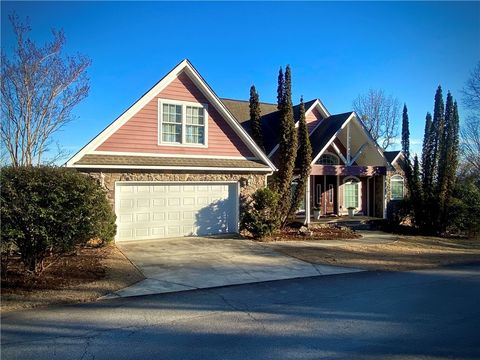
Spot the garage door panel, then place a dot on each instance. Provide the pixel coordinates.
(149, 211)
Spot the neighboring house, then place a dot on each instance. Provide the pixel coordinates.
(180, 160)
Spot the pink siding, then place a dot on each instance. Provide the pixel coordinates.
(312, 119)
(140, 133)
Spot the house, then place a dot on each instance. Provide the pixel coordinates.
(180, 160)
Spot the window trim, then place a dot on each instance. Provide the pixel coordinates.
(359, 185)
(397, 178)
(184, 105)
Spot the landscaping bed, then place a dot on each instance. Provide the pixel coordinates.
(82, 276)
(314, 232)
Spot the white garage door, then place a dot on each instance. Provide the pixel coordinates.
(159, 210)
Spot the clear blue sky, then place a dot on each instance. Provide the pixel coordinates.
(337, 50)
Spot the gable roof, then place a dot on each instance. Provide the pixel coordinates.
(270, 118)
(192, 73)
(322, 136)
(392, 156)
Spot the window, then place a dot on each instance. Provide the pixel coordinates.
(396, 187)
(330, 193)
(351, 188)
(328, 159)
(182, 123)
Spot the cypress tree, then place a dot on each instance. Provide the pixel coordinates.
(438, 125)
(452, 155)
(427, 156)
(280, 88)
(304, 159)
(416, 192)
(287, 149)
(405, 133)
(444, 155)
(256, 117)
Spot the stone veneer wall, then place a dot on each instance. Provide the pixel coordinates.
(249, 182)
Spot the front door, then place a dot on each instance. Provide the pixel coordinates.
(329, 194)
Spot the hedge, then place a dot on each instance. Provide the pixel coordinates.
(47, 210)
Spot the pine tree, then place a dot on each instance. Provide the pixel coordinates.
(256, 117)
(280, 88)
(304, 159)
(416, 192)
(287, 149)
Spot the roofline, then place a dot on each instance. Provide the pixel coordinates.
(194, 75)
(248, 101)
(153, 167)
(400, 152)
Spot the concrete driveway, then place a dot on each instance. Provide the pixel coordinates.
(179, 264)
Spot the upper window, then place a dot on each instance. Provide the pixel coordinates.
(182, 123)
(396, 187)
(328, 159)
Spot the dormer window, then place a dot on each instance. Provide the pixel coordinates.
(182, 123)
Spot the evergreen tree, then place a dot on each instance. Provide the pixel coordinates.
(427, 156)
(416, 192)
(444, 155)
(405, 133)
(452, 157)
(438, 126)
(304, 159)
(280, 89)
(287, 150)
(256, 117)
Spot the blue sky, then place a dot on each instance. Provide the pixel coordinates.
(337, 50)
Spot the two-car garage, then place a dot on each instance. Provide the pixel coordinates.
(152, 210)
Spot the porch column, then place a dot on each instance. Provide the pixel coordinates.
(307, 202)
(384, 197)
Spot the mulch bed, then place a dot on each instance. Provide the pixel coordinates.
(85, 265)
(319, 232)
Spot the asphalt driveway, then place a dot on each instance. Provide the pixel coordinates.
(171, 265)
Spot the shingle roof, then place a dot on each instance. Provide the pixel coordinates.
(270, 118)
(147, 161)
(323, 133)
(391, 155)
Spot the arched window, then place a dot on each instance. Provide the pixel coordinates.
(328, 159)
(396, 187)
(351, 194)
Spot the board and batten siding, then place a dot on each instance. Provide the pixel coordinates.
(140, 133)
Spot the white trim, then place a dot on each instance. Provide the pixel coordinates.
(237, 195)
(126, 153)
(396, 157)
(359, 152)
(324, 112)
(332, 138)
(337, 150)
(307, 201)
(154, 91)
(369, 136)
(183, 104)
(144, 167)
(359, 185)
(397, 178)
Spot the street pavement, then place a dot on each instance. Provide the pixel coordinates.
(427, 314)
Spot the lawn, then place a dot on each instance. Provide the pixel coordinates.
(382, 251)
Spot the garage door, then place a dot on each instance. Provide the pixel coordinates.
(160, 210)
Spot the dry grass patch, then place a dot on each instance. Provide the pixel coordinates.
(315, 232)
(81, 277)
(401, 253)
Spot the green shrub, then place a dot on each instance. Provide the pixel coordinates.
(259, 216)
(464, 210)
(48, 210)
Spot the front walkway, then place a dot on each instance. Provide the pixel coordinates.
(171, 265)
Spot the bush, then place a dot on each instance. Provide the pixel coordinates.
(48, 210)
(259, 216)
(464, 209)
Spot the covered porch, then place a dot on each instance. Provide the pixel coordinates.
(332, 189)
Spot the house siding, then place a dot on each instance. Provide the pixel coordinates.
(312, 118)
(140, 133)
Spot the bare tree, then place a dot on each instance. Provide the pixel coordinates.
(380, 114)
(470, 131)
(39, 86)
